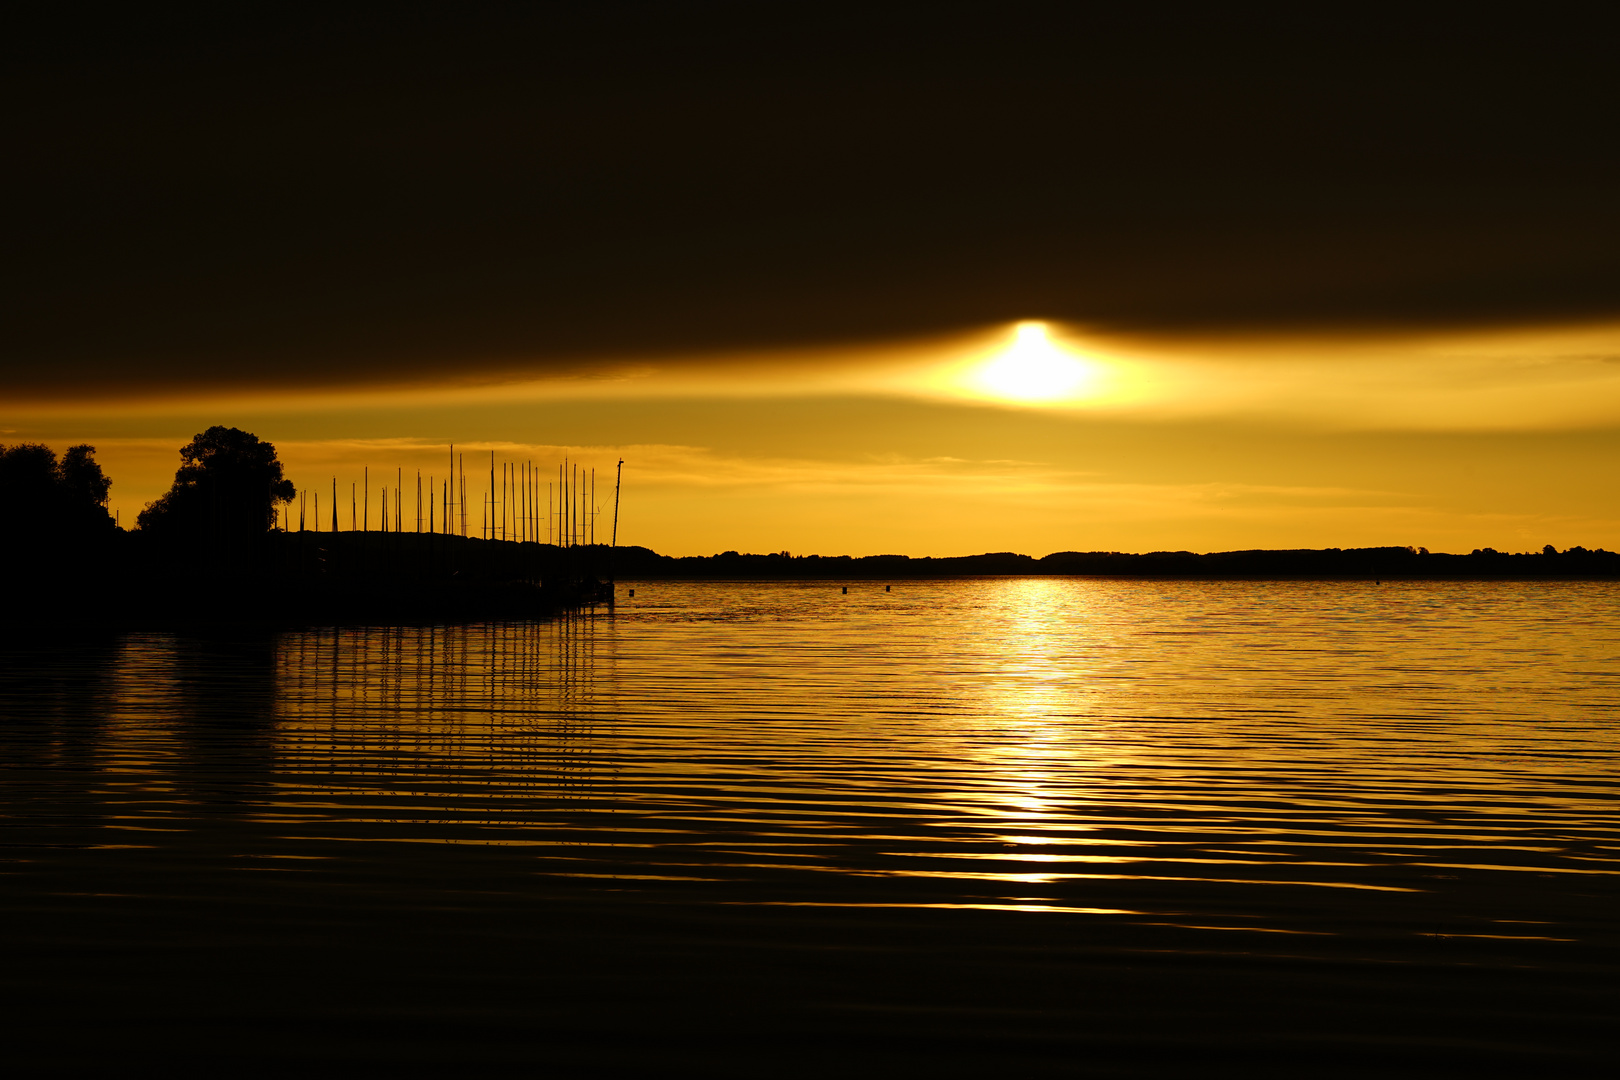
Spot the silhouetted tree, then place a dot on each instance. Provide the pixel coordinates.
(66, 498)
(225, 491)
(28, 483)
(81, 477)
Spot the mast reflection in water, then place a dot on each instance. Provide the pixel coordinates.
(488, 735)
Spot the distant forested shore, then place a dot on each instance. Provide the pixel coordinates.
(1377, 563)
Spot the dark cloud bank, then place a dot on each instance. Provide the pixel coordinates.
(257, 201)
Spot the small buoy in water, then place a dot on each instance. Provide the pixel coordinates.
(885, 588)
(846, 590)
(632, 592)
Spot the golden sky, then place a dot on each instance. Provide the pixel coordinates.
(931, 280)
(1032, 437)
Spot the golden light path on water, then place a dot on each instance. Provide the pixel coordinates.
(1198, 754)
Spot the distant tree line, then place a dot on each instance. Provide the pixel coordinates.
(1396, 563)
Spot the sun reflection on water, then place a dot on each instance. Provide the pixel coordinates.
(1038, 702)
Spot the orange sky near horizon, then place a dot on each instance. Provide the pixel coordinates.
(1031, 437)
(1211, 281)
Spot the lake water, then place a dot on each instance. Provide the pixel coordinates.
(1096, 826)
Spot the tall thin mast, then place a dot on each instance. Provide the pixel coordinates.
(617, 478)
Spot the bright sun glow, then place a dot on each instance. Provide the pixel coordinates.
(1034, 368)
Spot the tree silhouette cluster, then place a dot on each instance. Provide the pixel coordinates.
(225, 492)
(68, 497)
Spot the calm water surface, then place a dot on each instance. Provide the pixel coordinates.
(1382, 786)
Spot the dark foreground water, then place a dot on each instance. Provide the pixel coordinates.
(773, 829)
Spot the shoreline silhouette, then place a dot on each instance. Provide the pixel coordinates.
(219, 547)
(1327, 564)
(130, 579)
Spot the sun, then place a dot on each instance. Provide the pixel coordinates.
(1033, 368)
